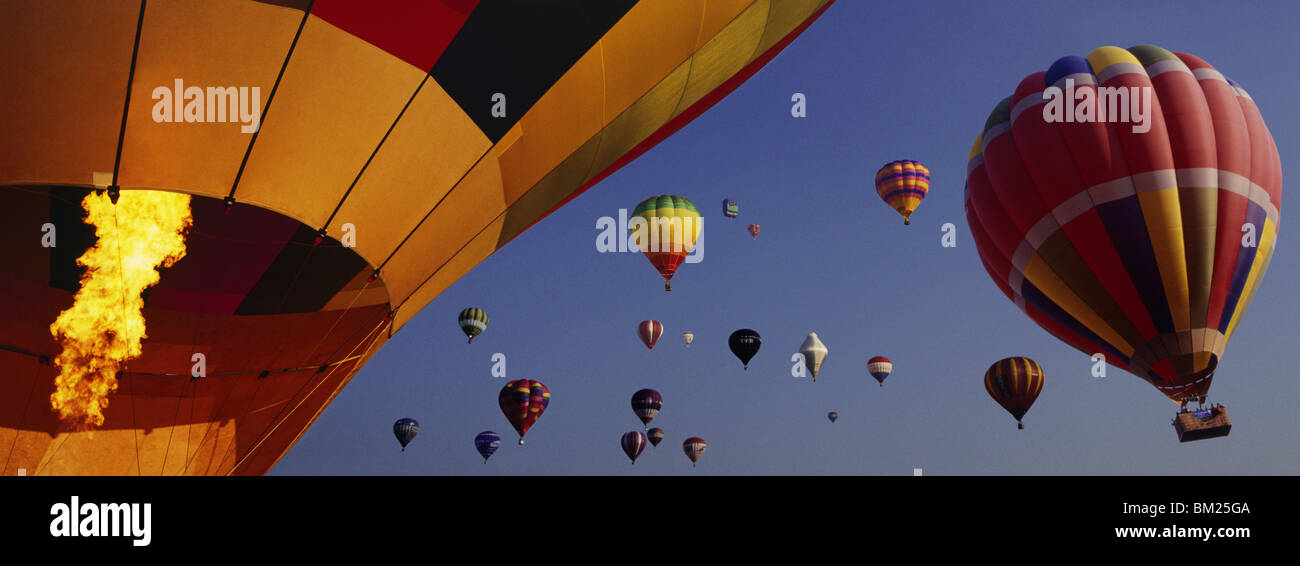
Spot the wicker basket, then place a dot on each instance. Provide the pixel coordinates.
(1199, 426)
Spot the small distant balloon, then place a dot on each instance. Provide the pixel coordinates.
(649, 331)
(405, 430)
(1015, 383)
(473, 321)
(694, 448)
(668, 248)
(646, 403)
(487, 443)
(729, 208)
(633, 444)
(523, 401)
(832, 416)
(753, 230)
(814, 353)
(902, 185)
(744, 343)
(688, 337)
(655, 435)
(880, 367)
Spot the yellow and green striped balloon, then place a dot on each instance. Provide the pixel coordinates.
(472, 321)
(672, 224)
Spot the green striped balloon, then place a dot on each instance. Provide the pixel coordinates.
(472, 321)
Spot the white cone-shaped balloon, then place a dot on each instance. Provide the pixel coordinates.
(814, 353)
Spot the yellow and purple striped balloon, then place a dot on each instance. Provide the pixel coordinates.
(902, 185)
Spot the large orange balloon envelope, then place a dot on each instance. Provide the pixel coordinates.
(523, 401)
(1138, 231)
(1015, 383)
(428, 172)
(672, 224)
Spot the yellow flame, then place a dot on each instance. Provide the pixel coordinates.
(103, 328)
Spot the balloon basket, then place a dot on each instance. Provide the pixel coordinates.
(1211, 422)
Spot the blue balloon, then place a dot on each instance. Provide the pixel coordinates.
(486, 443)
(405, 430)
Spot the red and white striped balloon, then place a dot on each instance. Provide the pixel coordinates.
(694, 448)
(649, 331)
(633, 444)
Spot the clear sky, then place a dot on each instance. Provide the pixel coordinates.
(883, 82)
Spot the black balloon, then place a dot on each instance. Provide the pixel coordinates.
(744, 344)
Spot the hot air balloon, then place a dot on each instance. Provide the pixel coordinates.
(633, 444)
(744, 344)
(814, 353)
(694, 448)
(832, 416)
(688, 337)
(646, 404)
(354, 141)
(672, 224)
(405, 430)
(902, 185)
(487, 443)
(880, 367)
(1129, 239)
(472, 322)
(655, 435)
(523, 401)
(649, 331)
(729, 208)
(753, 230)
(1014, 383)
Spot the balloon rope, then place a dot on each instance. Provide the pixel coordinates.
(276, 419)
(267, 433)
(121, 281)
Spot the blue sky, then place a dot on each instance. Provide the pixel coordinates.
(882, 83)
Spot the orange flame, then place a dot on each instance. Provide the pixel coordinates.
(103, 328)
